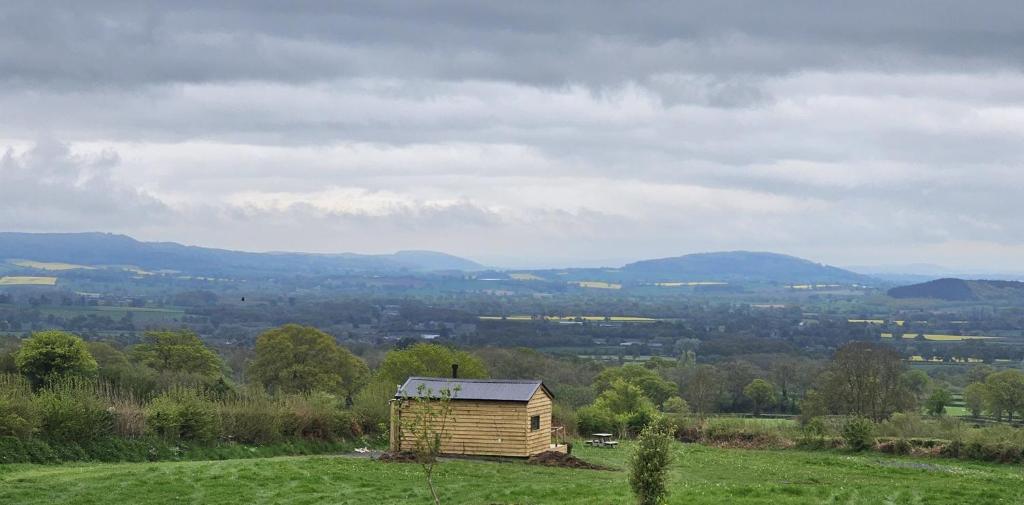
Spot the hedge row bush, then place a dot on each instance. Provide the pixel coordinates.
(77, 411)
(116, 449)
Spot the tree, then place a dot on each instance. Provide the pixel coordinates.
(428, 423)
(676, 405)
(629, 407)
(296, 358)
(917, 383)
(703, 389)
(428, 360)
(866, 379)
(178, 352)
(936, 403)
(1005, 393)
(50, 354)
(761, 392)
(648, 465)
(654, 386)
(974, 397)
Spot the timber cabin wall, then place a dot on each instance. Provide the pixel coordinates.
(539, 440)
(492, 428)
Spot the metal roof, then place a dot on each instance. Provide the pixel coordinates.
(473, 389)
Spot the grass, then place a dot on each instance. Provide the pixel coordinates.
(938, 337)
(597, 284)
(617, 319)
(56, 267)
(142, 315)
(701, 475)
(16, 280)
(525, 277)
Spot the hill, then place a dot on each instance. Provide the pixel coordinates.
(951, 289)
(95, 249)
(740, 266)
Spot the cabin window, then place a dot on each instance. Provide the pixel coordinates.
(534, 423)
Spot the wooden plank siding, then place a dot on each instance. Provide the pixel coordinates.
(491, 428)
(539, 440)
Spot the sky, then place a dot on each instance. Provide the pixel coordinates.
(526, 133)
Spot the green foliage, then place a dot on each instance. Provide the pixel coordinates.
(19, 415)
(1005, 392)
(654, 387)
(317, 415)
(937, 401)
(71, 410)
(370, 405)
(49, 355)
(178, 353)
(974, 398)
(761, 392)
(627, 405)
(594, 419)
(648, 464)
(183, 413)
(295, 359)
(252, 417)
(858, 432)
(676, 405)
(428, 360)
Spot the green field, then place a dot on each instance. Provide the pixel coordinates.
(701, 475)
(19, 280)
(56, 267)
(143, 315)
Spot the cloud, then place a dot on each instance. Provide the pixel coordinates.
(526, 129)
(47, 187)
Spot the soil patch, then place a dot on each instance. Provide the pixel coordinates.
(562, 460)
(397, 457)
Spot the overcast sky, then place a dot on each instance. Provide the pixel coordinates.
(523, 133)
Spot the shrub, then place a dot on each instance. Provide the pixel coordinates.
(183, 413)
(648, 465)
(564, 416)
(858, 433)
(317, 415)
(594, 419)
(371, 407)
(251, 417)
(676, 405)
(49, 355)
(19, 416)
(70, 410)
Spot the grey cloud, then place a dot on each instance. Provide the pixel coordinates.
(49, 188)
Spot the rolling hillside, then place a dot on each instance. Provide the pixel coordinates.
(740, 266)
(951, 289)
(95, 249)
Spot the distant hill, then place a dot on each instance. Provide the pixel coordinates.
(109, 249)
(951, 289)
(741, 266)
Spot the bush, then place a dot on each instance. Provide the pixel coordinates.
(594, 419)
(319, 416)
(251, 417)
(648, 465)
(71, 411)
(183, 413)
(19, 416)
(858, 433)
(371, 406)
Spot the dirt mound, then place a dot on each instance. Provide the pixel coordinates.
(398, 457)
(552, 458)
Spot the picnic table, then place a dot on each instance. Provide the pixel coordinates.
(603, 440)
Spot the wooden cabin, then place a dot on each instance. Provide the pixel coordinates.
(489, 417)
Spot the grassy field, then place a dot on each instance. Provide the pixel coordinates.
(701, 475)
(617, 319)
(597, 284)
(143, 315)
(15, 280)
(55, 267)
(938, 337)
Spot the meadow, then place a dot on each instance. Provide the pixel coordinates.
(700, 475)
(19, 280)
(55, 267)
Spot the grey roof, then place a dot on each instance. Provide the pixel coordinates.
(473, 389)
